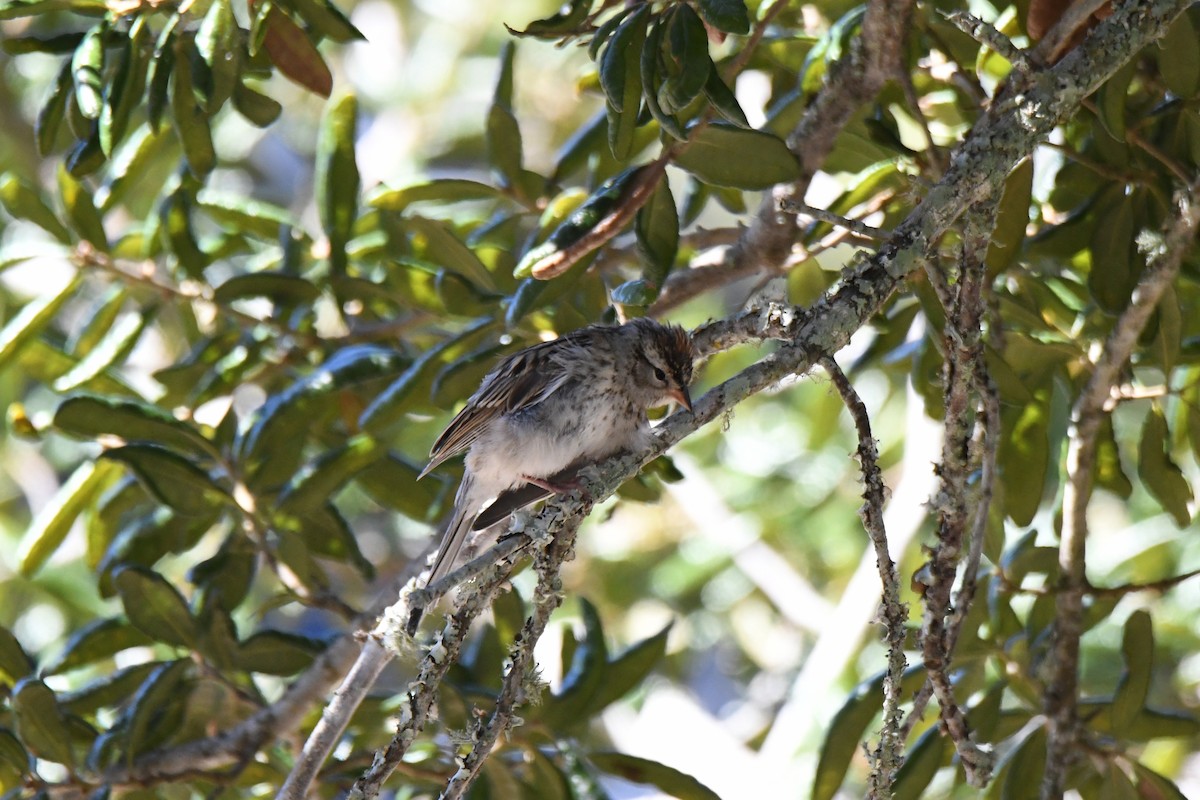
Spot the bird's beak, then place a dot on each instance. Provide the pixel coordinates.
(681, 396)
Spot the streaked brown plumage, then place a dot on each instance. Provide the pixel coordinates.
(555, 406)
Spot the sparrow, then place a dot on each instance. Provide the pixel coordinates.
(555, 407)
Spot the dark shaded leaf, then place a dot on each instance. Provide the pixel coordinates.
(725, 15)
(40, 722)
(641, 770)
(1161, 475)
(277, 653)
(337, 180)
(15, 663)
(97, 641)
(172, 478)
(155, 607)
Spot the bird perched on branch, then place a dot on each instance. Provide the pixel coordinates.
(554, 407)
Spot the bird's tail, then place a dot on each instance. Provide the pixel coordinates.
(453, 539)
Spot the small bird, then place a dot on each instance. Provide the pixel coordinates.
(557, 405)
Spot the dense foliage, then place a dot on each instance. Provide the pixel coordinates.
(254, 259)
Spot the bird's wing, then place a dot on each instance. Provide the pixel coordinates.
(522, 380)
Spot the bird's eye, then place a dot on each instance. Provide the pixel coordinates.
(660, 375)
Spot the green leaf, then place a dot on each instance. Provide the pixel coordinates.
(277, 653)
(155, 607)
(15, 663)
(1011, 219)
(433, 241)
(634, 294)
(218, 47)
(13, 753)
(1137, 648)
(585, 675)
(50, 115)
(317, 482)
(98, 640)
(392, 483)
(621, 79)
(172, 478)
(337, 179)
(394, 402)
(921, 763)
(1109, 472)
(30, 320)
(244, 215)
(847, 729)
(270, 447)
(87, 69)
(99, 319)
(614, 65)
(657, 230)
(81, 210)
(22, 201)
(189, 119)
(40, 722)
(1024, 458)
(287, 290)
(627, 671)
(445, 190)
(110, 351)
(227, 576)
(685, 60)
(1111, 100)
(1114, 269)
(256, 107)
(565, 21)
(127, 87)
(651, 61)
(725, 15)
(90, 416)
(1179, 58)
(52, 524)
(640, 770)
(175, 226)
(742, 159)
(503, 132)
(1161, 475)
(724, 100)
(158, 75)
(1151, 785)
(1026, 768)
(326, 19)
(155, 710)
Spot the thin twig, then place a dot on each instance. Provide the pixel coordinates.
(986, 34)
(792, 206)
(888, 756)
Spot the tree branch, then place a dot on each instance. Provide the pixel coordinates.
(888, 756)
(1061, 695)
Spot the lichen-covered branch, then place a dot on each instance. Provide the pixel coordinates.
(888, 756)
(963, 352)
(1061, 696)
(521, 672)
